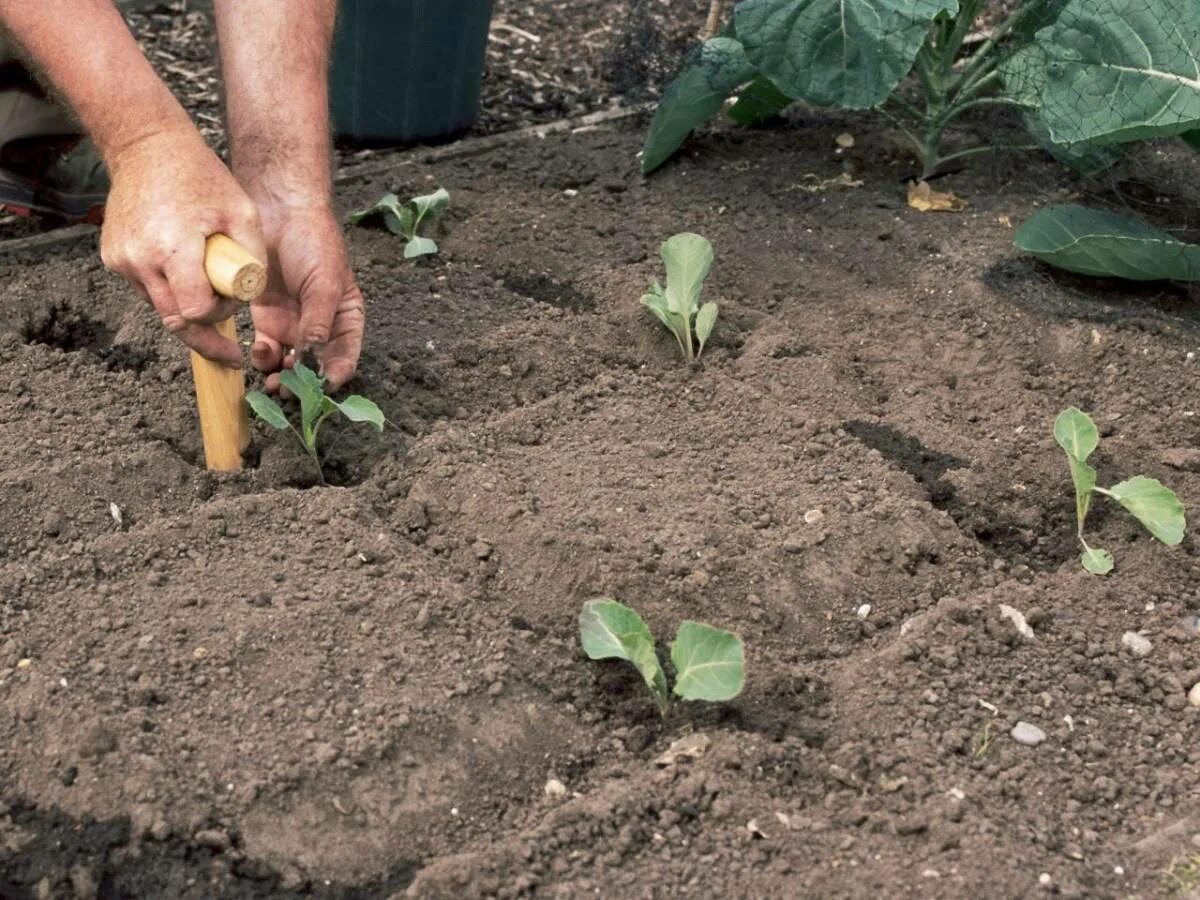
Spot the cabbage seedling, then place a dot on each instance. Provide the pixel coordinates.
(709, 662)
(405, 219)
(688, 258)
(315, 408)
(1151, 503)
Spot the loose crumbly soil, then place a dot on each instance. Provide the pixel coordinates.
(244, 686)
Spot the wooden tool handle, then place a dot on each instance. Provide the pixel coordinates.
(220, 390)
(232, 271)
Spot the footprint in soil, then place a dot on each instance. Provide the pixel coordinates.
(89, 857)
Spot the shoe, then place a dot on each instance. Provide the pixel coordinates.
(62, 177)
(45, 166)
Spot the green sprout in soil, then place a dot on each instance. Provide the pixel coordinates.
(315, 408)
(688, 258)
(709, 662)
(1150, 502)
(405, 219)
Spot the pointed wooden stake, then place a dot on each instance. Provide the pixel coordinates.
(221, 391)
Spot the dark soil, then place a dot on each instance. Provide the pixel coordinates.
(247, 687)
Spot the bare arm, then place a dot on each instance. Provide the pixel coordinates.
(84, 49)
(275, 60)
(169, 191)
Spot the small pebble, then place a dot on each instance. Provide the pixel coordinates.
(1027, 734)
(213, 838)
(1136, 644)
(555, 788)
(813, 516)
(1194, 694)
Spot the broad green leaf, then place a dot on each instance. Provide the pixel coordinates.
(1097, 561)
(758, 101)
(656, 301)
(1121, 70)
(709, 663)
(1076, 433)
(1023, 75)
(1087, 158)
(846, 53)
(611, 630)
(307, 385)
(429, 204)
(1094, 242)
(420, 246)
(267, 409)
(714, 71)
(688, 258)
(1034, 15)
(706, 318)
(1154, 505)
(359, 409)
(390, 209)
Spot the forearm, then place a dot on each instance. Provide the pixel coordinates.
(275, 59)
(85, 51)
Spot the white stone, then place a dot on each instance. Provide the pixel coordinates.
(1018, 619)
(555, 788)
(1194, 694)
(1027, 734)
(1137, 644)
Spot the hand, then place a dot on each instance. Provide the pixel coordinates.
(312, 301)
(169, 193)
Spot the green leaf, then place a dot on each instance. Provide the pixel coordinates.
(846, 53)
(709, 663)
(688, 258)
(1121, 70)
(714, 71)
(1094, 242)
(267, 409)
(357, 408)
(420, 246)
(308, 386)
(1193, 138)
(1076, 433)
(389, 208)
(429, 204)
(611, 630)
(656, 301)
(759, 101)
(706, 318)
(1154, 505)
(1097, 561)
(1087, 159)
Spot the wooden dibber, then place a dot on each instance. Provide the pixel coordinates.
(220, 390)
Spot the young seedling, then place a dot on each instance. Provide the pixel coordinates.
(405, 219)
(709, 663)
(688, 258)
(315, 408)
(1151, 503)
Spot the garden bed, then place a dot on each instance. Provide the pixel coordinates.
(245, 686)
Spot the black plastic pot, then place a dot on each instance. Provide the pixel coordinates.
(407, 70)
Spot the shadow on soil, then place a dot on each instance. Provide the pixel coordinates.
(988, 525)
(1050, 294)
(99, 858)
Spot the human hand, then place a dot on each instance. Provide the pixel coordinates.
(169, 193)
(312, 302)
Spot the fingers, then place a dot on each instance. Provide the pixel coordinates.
(242, 223)
(345, 343)
(320, 294)
(189, 286)
(204, 339)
